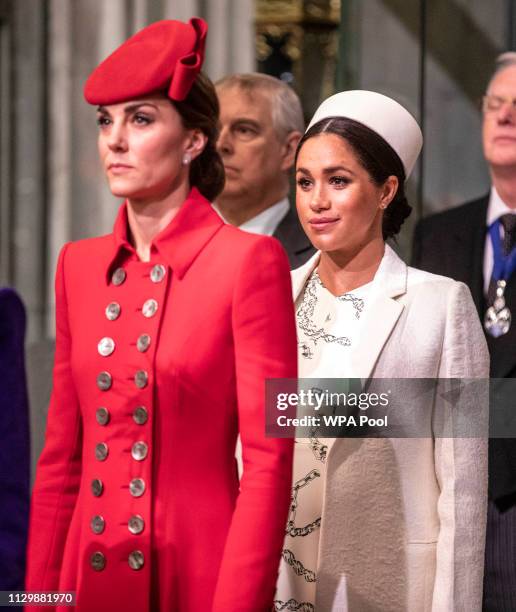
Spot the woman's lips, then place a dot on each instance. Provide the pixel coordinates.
(322, 223)
(118, 168)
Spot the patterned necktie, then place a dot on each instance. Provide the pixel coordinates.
(508, 222)
(509, 238)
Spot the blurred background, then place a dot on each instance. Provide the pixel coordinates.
(434, 56)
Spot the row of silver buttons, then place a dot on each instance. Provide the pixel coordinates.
(135, 525)
(105, 380)
(139, 451)
(136, 487)
(140, 415)
(157, 274)
(136, 560)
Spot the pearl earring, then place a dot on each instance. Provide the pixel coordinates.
(186, 159)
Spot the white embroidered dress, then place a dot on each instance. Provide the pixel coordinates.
(328, 329)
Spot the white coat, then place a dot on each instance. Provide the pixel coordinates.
(403, 520)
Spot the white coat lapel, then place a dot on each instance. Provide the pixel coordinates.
(390, 281)
(301, 275)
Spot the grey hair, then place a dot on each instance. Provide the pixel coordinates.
(287, 114)
(503, 61)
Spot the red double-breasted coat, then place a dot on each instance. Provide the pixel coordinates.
(159, 365)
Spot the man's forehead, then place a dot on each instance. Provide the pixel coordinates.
(236, 102)
(504, 81)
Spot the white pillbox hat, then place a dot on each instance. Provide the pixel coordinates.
(381, 114)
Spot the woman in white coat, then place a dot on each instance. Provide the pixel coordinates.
(392, 524)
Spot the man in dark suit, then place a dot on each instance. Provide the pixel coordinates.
(261, 124)
(476, 243)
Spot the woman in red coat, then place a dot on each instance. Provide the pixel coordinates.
(166, 331)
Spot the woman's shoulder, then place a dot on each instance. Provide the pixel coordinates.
(435, 288)
(87, 254)
(89, 246)
(416, 277)
(239, 243)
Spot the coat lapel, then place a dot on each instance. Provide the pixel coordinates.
(384, 311)
(468, 256)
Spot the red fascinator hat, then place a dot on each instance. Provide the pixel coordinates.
(165, 56)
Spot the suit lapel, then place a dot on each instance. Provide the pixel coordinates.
(468, 257)
(384, 311)
(291, 235)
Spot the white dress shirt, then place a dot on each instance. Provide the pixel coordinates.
(266, 222)
(495, 209)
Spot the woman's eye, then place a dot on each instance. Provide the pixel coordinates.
(303, 183)
(140, 119)
(339, 181)
(102, 120)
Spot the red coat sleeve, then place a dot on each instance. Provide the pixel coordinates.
(265, 347)
(59, 467)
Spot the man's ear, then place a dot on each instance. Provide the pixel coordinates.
(289, 148)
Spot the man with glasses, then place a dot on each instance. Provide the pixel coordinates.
(476, 244)
(261, 123)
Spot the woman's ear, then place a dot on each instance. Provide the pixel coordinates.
(388, 191)
(195, 144)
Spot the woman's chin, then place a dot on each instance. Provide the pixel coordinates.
(326, 242)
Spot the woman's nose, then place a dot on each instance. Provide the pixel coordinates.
(117, 139)
(319, 200)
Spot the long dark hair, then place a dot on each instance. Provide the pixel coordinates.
(377, 157)
(200, 109)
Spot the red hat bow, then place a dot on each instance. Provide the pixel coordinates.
(189, 66)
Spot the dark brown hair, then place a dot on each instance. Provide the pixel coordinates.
(200, 109)
(377, 157)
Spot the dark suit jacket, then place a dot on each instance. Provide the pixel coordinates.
(294, 240)
(14, 445)
(452, 243)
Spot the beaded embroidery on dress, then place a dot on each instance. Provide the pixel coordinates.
(327, 331)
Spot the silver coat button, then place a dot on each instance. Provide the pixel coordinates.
(141, 378)
(143, 343)
(136, 524)
(157, 273)
(97, 487)
(139, 451)
(101, 451)
(119, 276)
(140, 415)
(137, 487)
(98, 561)
(136, 560)
(104, 381)
(113, 311)
(98, 524)
(149, 308)
(102, 416)
(106, 346)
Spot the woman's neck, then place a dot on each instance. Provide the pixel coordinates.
(345, 270)
(147, 217)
